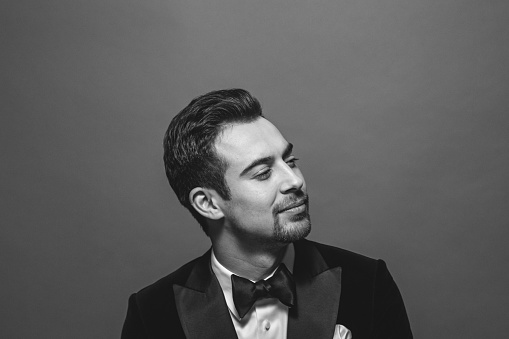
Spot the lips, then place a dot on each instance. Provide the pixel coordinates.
(293, 205)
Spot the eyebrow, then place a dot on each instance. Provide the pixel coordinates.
(266, 160)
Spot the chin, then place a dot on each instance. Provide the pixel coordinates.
(297, 228)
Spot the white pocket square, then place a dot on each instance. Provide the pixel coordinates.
(341, 332)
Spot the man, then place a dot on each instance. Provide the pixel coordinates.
(239, 178)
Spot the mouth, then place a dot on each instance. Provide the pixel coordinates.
(296, 206)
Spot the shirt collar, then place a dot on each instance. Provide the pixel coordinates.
(223, 275)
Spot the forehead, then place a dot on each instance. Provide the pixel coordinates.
(241, 143)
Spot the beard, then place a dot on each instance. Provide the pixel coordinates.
(296, 226)
(287, 227)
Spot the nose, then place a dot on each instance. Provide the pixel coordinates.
(292, 181)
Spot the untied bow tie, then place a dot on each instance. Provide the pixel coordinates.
(280, 286)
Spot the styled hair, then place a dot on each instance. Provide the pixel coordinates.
(190, 157)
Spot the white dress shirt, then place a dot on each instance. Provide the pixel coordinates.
(268, 318)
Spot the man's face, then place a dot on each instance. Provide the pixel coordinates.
(268, 192)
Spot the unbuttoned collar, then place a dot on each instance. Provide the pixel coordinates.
(223, 275)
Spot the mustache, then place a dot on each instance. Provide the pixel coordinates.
(288, 202)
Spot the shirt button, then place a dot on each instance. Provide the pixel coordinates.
(267, 325)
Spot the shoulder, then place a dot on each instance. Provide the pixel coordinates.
(370, 299)
(163, 286)
(347, 260)
(151, 311)
(359, 273)
(340, 255)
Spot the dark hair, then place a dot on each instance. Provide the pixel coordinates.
(190, 157)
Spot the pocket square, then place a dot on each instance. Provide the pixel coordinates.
(341, 332)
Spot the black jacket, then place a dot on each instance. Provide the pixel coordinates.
(334, 286)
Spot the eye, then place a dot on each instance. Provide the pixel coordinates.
(292, 162)
(264, 175)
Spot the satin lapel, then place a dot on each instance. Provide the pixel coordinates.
(318, 292)
(201, 306)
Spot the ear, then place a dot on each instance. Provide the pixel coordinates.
(204, 201)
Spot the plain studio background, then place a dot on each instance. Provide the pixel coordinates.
(398, 111)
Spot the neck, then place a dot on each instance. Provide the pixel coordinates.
(250, 261)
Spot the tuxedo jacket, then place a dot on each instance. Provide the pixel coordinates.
(334, 286)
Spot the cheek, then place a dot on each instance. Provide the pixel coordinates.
(253, 200)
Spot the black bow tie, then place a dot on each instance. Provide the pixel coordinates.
(280, 286)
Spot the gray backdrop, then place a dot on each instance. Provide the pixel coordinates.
(398, 110)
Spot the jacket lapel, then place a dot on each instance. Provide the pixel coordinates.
(201, 306)
(318, 293)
